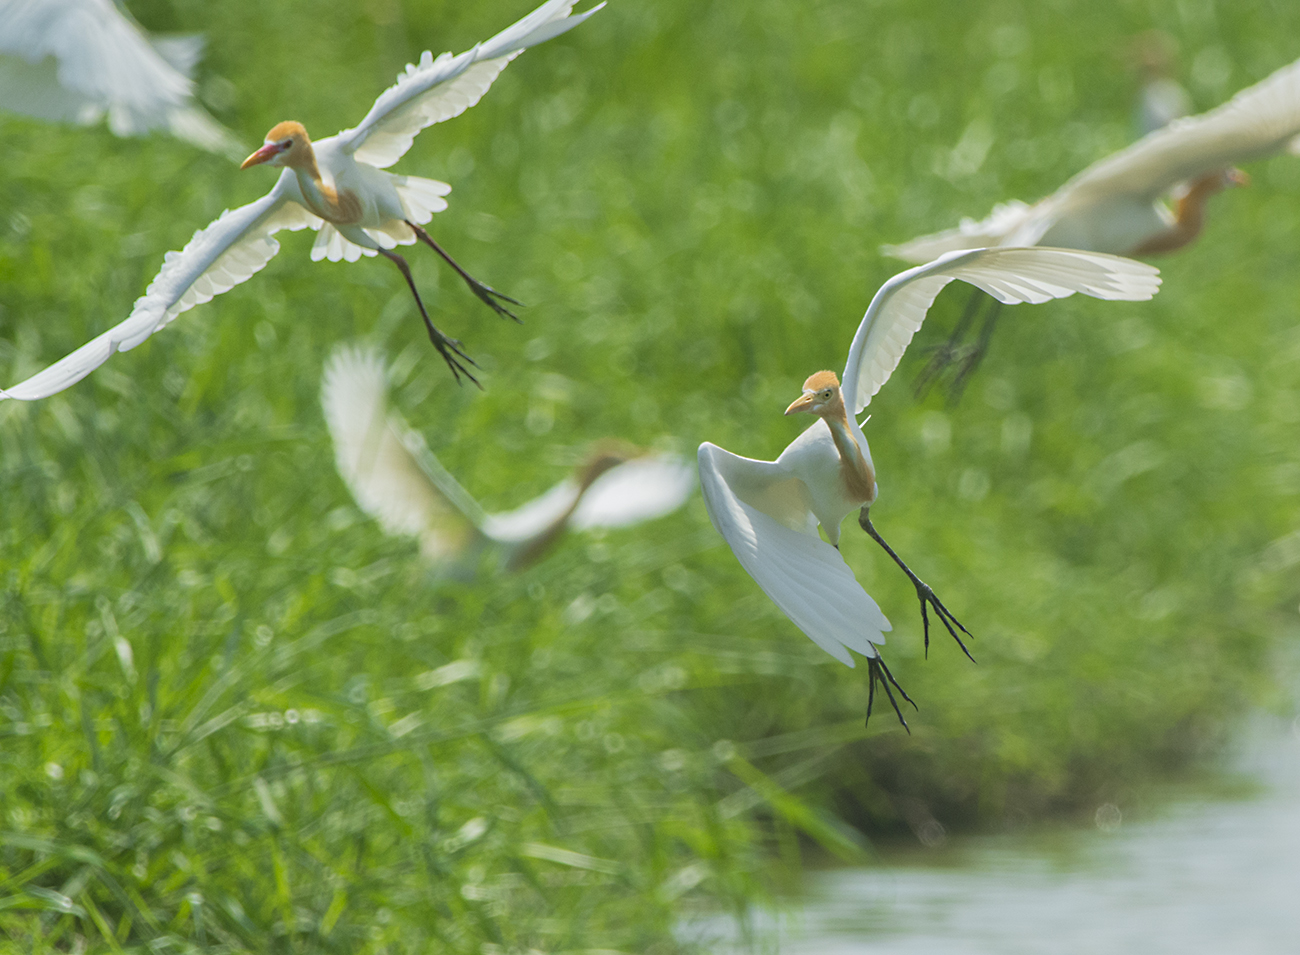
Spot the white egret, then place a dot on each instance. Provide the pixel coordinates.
(77, 61)
(769, 511)
(394, 477)
(1116, 204)
(336, 186)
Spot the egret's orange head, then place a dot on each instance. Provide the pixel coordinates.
(821, 395)
(605, 456)
(286, 145)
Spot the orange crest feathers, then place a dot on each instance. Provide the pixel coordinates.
(820, 380)
(289, 129)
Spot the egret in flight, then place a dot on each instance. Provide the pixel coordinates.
(1117, 204)
(336, 186)
(769, 511)
(76, 61)
(394, 477)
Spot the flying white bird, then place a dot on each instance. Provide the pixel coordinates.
(336, 186)
(76, 61)
(1116, 204)
(395, 478)
(769, 511)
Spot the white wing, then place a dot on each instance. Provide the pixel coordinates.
(75, 60)
(229, 251)
(806, 577)
(529, 520)
(438, 89)
(1003, 222)
(1258, 121)
(1010, 275)
(386, 465)
(637, 490)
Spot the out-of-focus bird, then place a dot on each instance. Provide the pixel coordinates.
(395, 478)
(76, 61)
(336, 186)
(769, 511)
(1116, 204)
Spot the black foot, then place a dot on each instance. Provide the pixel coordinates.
(453, 355)
(941, 357)
(876, 670)
(967, 361)
(924, 592)
(493, 298)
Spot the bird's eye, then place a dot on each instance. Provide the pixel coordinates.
(286, 144)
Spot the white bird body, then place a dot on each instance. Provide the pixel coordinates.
(336, 186)
(78, 60)
(395, 478)
(1116, 204)
(769, 511)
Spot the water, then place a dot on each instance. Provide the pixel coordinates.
(1217, 876)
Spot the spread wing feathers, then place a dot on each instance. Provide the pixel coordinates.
(386, 465)
(1010, 275)
(229, 251)
(74, 60)
(1258, 121)
(637, 490)
(438, 89)
(1005, 219)
(806, 577)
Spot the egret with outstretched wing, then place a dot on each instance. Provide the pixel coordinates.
(395, 478)
(1117, 204)
(769, 511)
(336, 186)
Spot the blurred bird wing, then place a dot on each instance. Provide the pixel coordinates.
(1259, 120)
(392, 474)
(102, 56)
(229, 251)
(532, 519)
(1006, 219)
(1010, 275)
(756, 509)
(438, 89)
(637, 490)
(74, 60)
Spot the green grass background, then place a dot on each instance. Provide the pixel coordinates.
(225, 718)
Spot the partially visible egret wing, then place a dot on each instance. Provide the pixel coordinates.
(1010, 275)
(531, 519)
(637, 490)
(75, 60)
(380, 459)
(806, 577)
(1260, 120)
(1003, 222)
(229, 251)
(438, 89)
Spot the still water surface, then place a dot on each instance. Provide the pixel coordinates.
(1206, 875)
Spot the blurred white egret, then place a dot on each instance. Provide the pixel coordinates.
(395, 478)
(336, 186)
(769, 511)
(1116, 204)
(1161, 98)
(78, 60)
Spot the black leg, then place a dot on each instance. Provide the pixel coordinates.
(449, 348)
(972, 358)
(876, 670)
(944, 354)
(486, 293)
(923, 591)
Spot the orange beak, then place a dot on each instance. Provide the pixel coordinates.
(803, 403)
(269, 151)
(1238, 178)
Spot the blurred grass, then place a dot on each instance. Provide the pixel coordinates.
(237, 718)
